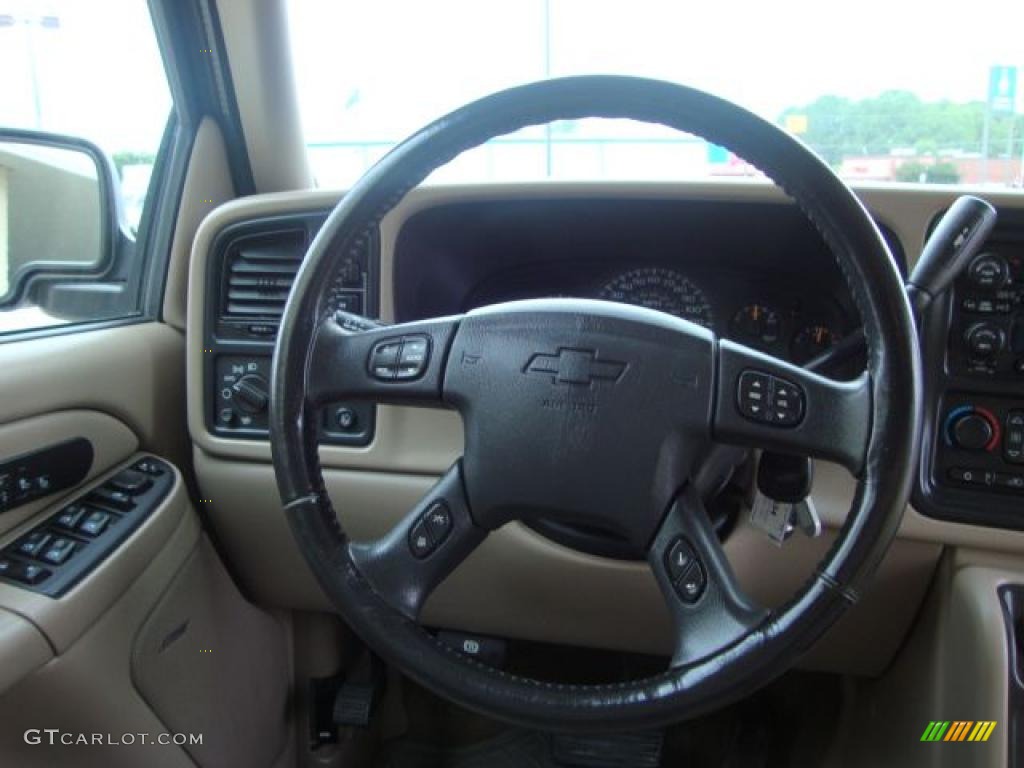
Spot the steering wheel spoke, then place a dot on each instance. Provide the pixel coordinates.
(405, 565)
(709, 608)
(765, 402)
(355, 358)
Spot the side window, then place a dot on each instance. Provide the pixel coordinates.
(84, 104)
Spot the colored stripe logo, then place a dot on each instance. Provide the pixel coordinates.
(958, 730)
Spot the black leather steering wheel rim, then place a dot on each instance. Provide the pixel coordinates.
(884, 473)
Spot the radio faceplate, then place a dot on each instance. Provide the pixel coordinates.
(986, 329)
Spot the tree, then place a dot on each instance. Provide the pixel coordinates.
(121, 159)
(938, 173)
(838, 127)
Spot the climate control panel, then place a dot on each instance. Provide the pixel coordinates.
(980, 445)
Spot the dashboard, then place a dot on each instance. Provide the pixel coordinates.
(758, 274)
(739, 258)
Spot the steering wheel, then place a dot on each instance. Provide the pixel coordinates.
(593, 413)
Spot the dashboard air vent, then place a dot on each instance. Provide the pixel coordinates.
(259, 272)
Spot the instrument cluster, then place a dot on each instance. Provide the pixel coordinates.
(776, 319)
(758, 274)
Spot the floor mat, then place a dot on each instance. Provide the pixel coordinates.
(789, 724)
(512, 749)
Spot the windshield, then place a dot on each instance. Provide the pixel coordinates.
(884, 91)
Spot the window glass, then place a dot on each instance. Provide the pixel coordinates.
(886, 92)
(81, 71)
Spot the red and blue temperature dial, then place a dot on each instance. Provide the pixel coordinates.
(972, 428)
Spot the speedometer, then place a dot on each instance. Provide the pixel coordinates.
(665, 290)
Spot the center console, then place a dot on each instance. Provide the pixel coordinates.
(972, 467)
(249, 276)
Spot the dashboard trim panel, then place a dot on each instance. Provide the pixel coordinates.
(424, 442)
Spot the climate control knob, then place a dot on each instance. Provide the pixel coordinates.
(250, 394)
(970, 428)
(972, 432)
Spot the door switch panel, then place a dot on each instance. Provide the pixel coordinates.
(33, 475)
(59, 552)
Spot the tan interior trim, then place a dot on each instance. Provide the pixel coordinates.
(207, 661)
(259, 54)
(133, 374)
(64, 620)
(111, 440)
(207, 185)
(23, 649)
(88, 688)
(520, 584)
(954, 667)
(423, 441)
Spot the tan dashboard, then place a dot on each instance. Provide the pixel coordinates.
(520, 584)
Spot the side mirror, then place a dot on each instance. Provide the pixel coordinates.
(59, 214)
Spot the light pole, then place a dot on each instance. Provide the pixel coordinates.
(30, 22)
(547, 74)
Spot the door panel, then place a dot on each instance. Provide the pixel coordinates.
(169, 532)
(109, 657)
(193, 662)
(88, 688)
(23, 649)
(110, 439)
(134, 373)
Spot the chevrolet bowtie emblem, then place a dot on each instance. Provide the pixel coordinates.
(575, 366)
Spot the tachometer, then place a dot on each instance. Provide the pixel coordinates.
(811, 341)
(756, 324)
(665, 290)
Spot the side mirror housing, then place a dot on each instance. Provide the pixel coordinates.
(60, 221)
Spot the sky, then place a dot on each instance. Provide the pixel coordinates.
(371, 71)
(375, 70)
(383, 68)
(99, 74)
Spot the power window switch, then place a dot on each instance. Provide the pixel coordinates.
(95, 524)
(30, 573)
(7, 567)
(70, 516)
(150, 467)
(26, 573)
(108, 497)
(33, 544)
(130, 481)
(59, 550)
